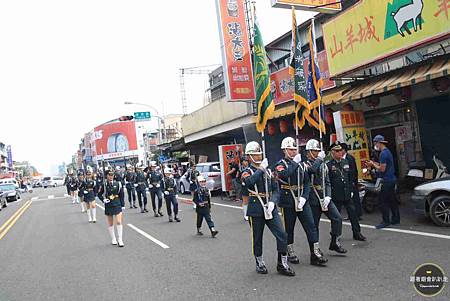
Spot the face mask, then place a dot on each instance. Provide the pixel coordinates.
(376, 148)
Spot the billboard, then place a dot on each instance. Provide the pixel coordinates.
(323, 6)
(9, 154)
(373, 30)
(282, 84)
(235, 46)
(115, 140)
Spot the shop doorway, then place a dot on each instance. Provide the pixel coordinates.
(389, 135)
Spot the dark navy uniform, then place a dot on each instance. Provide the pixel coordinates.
(342, 190)
(141, 184)
(99, 187)
(254, 186)
(130, 178)
(202, 199)
(73, 183)
(118, 176)
(89, 190)
(112, 198)
(155, 179)
(316, 168)
(170, 194)
(288, 172)
(80, 187)
(192, 178)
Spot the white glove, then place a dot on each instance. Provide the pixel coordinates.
(321, 155)
(166, 192)
(135, 185)
(301, 202)
(123, 208)
(298, 158)
(326, 201)
(351, 194)
(270, 207)
(264, 164)
(176, 196)
(151, 186)
(146, 189)
(85, 192)
(190, 182)
(106, 201)
(157, 185)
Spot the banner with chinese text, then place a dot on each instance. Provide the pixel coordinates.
(350, 128)
(228, 155)
(375, 29)
(235, 46)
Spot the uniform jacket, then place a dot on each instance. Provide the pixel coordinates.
(340, 178)
(155, 178)
(287, 175)
(130, 178)
(140, 180)
(170, 185)
(252, 177)
(113, 190)
(202, 198)
(353, 169)
(315, 168)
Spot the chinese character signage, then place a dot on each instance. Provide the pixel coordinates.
(350, 128)
(142, 116)
(236, 56)
(228, 155)
(375, 29)
(9, 154)
(323, 6)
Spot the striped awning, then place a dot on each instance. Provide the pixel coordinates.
(398, 79)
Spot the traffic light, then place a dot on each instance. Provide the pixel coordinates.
(125, 118)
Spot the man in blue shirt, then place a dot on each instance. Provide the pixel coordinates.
(387, 200)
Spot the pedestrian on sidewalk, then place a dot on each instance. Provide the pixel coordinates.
(202, 198)
(386, 178)
(113, 208)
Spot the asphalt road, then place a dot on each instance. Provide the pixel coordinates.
(53, 253)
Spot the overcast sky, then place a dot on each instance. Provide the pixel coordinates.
(67, 66)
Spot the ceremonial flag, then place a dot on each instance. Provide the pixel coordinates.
(264, 101)
(298, 74)
(314, 85)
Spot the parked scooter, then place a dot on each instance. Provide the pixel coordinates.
(416, 172)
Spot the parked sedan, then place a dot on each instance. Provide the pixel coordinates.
(433, 200)
(10, 192)
(210, 171)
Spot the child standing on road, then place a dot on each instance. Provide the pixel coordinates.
(202, 200)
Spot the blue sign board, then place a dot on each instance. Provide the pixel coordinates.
(9, 154)
(142, 116)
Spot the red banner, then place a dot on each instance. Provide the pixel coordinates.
(228, 155)
(115, 137)
(236, 55)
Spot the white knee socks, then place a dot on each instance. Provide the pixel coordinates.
(89, 212)
(94, 214)
(244, 207)
(83, 207)
(113, 236)
(119, 234)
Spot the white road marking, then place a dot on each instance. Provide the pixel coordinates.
(428, 234)
(146, 235)
(34, 198)
(51, 196)
(98, 205)
(66, 195)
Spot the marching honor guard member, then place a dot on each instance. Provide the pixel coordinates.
(130, 177)
(80, 189)
(294, 194)
(320, 196)
(170, 194)
(113, 208)
(89, 189)
(73, 186)
(140, 184)
(342, 188)
(155, 180)
(119, 177)
(262, 209)
(202, 200)
(192, 175)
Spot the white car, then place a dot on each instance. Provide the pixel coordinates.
(10, 181)
(52, 181)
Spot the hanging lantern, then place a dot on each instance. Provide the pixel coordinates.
(404, 94)
(284, 126)
(441, 84)
(372, 101)
(329, 116)
(271, 128)
(348, 107)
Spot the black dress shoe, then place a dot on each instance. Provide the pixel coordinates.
(318, 261)
(170, 220)
(155, 214)
(177, 219)
(214, 233)
(293, 259)
(199, 232)
(134, 206)
(160, 213)
(337, 248)
(359, 236)
(261, 269)
(286, 271)
(145, 210)
(142, 211)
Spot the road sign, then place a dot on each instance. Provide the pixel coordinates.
(142, 116)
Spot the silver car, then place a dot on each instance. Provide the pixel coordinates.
(210, 171)
(9, 192)
(433, 200)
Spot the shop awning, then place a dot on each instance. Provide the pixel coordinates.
(398, 79)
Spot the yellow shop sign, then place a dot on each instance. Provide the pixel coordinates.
(376, 29)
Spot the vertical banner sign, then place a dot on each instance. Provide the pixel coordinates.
(372, 30)
(350, 128)
(228, 154)
(235, 45)
(9, 154)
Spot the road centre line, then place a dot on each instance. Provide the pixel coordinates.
(143, 233)
(13, 219)
(51, 196)
(146, 235)
(427, 234)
